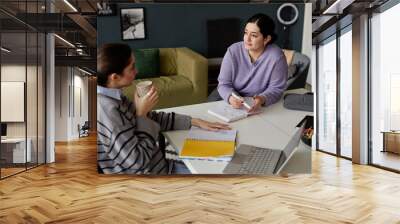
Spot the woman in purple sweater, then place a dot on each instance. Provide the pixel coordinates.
(254, 67)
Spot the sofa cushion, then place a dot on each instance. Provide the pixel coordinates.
(168, 61)
(173, 90)
(183, 79)
(147, 63)
(176, 86)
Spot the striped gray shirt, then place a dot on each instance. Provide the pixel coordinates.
(127, 144)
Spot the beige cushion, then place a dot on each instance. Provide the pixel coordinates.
(173, 90)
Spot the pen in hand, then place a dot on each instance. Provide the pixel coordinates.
(247, 102)
(235, 101)
(237, 96)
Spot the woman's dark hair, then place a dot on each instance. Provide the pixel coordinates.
(112, 58)
(266, 25)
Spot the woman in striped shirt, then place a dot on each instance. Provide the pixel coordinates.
(128, 132)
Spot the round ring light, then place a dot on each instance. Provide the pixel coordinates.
(287, 14)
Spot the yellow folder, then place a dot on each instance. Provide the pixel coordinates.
(204, 148)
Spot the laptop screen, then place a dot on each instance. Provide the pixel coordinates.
(289, 148)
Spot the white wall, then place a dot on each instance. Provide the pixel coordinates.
(71, 102)
(81, 82)
(80, 105)
(61, 103)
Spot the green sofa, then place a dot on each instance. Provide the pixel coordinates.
(183, 78)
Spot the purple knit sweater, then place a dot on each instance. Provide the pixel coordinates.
(266, 77)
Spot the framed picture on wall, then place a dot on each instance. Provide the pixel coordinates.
(133, 24)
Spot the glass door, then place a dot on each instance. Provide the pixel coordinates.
(346, 92)
(327, 96)
(22, 76)
(13, 103)
(385, 89)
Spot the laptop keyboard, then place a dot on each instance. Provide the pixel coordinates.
(259, 161)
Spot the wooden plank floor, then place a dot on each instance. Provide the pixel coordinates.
(71, 191)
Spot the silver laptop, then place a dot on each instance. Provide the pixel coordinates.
(262, 161)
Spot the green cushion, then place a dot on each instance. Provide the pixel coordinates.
(147, 63)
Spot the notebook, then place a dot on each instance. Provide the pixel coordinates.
(209, 145)
(227, 113)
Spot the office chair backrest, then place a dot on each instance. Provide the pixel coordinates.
(299, 65)
(86, 125)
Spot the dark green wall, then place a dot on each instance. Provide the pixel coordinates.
(177, 25)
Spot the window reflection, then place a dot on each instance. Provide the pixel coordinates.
(327, 97)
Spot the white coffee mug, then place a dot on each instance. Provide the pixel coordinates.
(143, 87)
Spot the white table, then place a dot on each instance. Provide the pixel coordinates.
(18, 149)
(270, 129)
